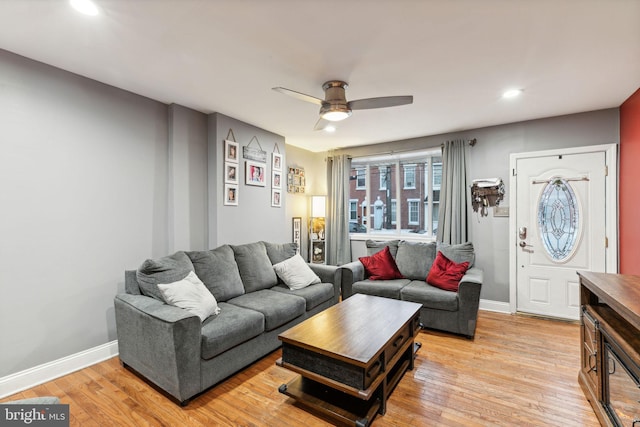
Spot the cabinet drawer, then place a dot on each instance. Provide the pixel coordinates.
(397, 341)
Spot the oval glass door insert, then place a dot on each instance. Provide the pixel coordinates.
(558, 219)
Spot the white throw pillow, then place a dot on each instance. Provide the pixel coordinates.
(295, 273)
(192, 295)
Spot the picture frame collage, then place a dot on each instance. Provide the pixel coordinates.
(255, 174)
(296, 180)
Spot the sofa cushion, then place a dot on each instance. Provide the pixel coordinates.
(446, 274)
(429, 296)
(278, 308)
(381, 266)
(278, 252)
(414, 259)
(295, 273)
(168, 269)
(234, 325)
(218, 271)
(380, 288)
(374, 246)
(314, 295)
(192, 295)
(254, 266)
(458, 253)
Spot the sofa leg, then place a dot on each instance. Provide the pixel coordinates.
(185, 403)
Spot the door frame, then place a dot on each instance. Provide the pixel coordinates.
(611, 212)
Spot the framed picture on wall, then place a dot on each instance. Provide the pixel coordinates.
(231, 194)
(255, 173)
(276, 179)
(230, 151)
(276, 198)
(230, 173)
(276, 162)
(296, 229)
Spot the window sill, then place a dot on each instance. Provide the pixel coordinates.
(384, 237)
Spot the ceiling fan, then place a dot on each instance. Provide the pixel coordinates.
(335, 107)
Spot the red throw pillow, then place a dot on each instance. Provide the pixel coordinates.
(446, 274)
(381, 266)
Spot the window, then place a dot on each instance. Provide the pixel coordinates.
(409, 176)
(413, 211)
(385, 173)
(353, 210)
(396, 195)
(361, 179)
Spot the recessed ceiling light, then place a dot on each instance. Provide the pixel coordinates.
(512, 93)
(86, 7)
(330, 128)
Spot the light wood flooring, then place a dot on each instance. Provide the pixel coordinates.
(518, 371)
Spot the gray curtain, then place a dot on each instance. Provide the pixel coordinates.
(452, 218)
(338, 245)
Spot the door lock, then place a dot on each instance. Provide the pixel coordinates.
(522, 233)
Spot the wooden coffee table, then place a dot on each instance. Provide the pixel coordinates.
(351, 356)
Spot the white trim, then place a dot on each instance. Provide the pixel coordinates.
(611, 216)
(409, 167)
(417, 202)
(497, 306)
(15, 383)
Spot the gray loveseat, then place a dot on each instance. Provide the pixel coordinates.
(183, 355)
(444, 310)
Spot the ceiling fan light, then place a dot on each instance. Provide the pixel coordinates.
(335, 116)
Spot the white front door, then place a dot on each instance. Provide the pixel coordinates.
(560, 227)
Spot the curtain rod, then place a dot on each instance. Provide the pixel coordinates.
(471, 142)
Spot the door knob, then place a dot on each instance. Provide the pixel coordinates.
(523, 244)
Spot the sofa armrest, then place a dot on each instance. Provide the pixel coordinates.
(351, 272)
(329, 274)
(469, 299)
(161, 342)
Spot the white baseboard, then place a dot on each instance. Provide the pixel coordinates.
(499, 306)
(37, 375)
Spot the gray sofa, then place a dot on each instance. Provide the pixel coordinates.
(444, 310)
(182, 355)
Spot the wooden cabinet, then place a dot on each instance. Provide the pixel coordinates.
(610, 346)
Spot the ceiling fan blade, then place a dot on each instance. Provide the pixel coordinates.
(382, 102)
(298, 95)
(322, 124)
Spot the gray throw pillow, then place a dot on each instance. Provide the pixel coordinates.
(375, 246)
(164, 270)
(414, 259)
(254, 266)
(278, 252)
(218, 271)
(458, 253)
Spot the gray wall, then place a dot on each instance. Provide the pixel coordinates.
(490, 158)
(93, 181)
(83, 188)
(254, 218)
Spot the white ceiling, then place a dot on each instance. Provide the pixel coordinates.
(455, 57)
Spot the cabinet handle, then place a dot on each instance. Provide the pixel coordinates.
(635, 420)
(611, 372)
(398, 341)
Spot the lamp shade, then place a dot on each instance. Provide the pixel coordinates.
(318, 206)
